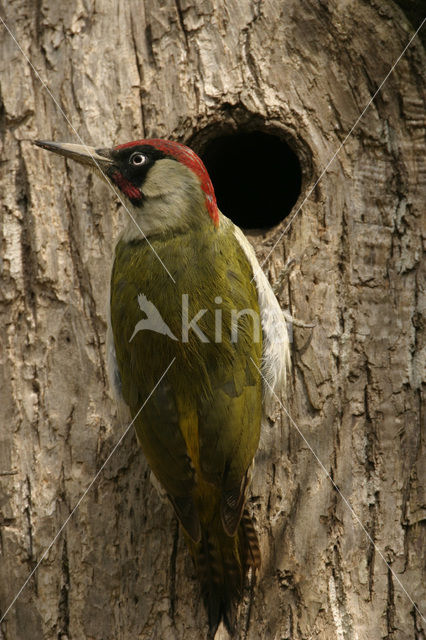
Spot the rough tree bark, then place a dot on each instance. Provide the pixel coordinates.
(304, 69)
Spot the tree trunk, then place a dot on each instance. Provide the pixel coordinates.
(302, 71)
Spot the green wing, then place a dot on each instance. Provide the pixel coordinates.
(200, 428)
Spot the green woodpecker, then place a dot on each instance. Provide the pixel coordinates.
(186, 289)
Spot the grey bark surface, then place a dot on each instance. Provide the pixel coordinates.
(304, 70)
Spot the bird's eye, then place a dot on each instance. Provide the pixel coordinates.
(138, 159)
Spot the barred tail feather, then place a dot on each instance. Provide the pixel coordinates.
(223, 562)
(249, 542)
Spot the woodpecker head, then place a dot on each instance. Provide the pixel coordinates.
(164, 183)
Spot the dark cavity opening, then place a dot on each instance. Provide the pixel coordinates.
(256, 177)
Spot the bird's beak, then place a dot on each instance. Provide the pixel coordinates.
(95, 158)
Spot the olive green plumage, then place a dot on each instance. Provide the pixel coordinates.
(202, 400)
(200, 429)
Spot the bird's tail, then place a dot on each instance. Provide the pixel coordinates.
(223, 562)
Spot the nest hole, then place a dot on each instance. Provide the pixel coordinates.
(256, 176)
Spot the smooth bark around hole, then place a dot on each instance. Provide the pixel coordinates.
(256, 176)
